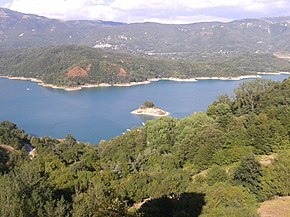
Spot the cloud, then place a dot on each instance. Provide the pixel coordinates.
(62, 9)
(165, 11)
(265, 5)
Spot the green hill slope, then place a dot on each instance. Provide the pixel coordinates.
(77, 65)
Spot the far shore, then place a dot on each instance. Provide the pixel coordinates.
(273, 73)
(67, 88)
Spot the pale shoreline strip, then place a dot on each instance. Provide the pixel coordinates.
(150, 112)
(41, 83)
(273, 73)
(228, 78)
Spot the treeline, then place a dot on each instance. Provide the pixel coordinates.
(207, 164)
(51, 64)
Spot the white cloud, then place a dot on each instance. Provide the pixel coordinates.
(166, 11)
(260, 5)
(63, 9)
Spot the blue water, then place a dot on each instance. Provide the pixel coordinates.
(102, 113)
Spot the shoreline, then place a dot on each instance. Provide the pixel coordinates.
(67, 88)
(273, 73)
(229, 78)
(157, 112)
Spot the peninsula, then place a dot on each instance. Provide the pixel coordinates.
(148, 108)
(78, 67)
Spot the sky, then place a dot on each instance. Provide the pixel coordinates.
(162, 11)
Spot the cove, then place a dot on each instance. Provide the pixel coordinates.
(98, 114)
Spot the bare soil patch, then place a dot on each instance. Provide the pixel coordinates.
(6, 148)
(278, 207)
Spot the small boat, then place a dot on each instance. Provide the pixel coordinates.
(27, 89)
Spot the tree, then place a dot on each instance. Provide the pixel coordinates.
(216, 174)
(267, 134)
(160, 132)
(208, 141)
(70, 140)
(148, 104)
(277, 178)
(248, 94)
(249, 175)
(3, 160)
(225, 200)
(220, 107)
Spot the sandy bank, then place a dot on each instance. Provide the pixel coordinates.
(273, 73)
(67, 88)
(177, 79)
(150, 111)
(228, 78)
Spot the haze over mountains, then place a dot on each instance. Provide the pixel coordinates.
(208, 39)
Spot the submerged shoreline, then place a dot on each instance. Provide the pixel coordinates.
(67, 88)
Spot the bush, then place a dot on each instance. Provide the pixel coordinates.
(148, 104)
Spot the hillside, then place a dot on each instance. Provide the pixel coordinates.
(205, 40)
(77, 53)
(191, 41)
(207, 164)
(72, 66)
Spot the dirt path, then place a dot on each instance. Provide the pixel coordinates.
(278, 207)
(137, 206)
(6, 148)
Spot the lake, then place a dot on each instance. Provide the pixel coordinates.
(95, 114)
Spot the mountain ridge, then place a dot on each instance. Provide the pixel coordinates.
(179, 41)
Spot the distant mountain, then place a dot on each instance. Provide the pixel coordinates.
(18, 30)
(205, 40)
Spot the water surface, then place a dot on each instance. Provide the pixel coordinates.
(102, 113)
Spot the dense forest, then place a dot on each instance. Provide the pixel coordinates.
(208, 164)
(79, 65)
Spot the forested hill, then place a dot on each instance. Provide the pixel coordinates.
(187, 41)
(73, 53)
(79, 65)
(223, 162)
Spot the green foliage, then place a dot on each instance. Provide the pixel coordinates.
(160, 132)
(232, 154)
(225, 200)
(11, 135)
(267, 135)
(249, 92)
(208, 140)
(148, 104)
(220, 107)
(3, 160)
(249, 175)
(277, 176)
(216, 174)
(187, 130)
(97, 203)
